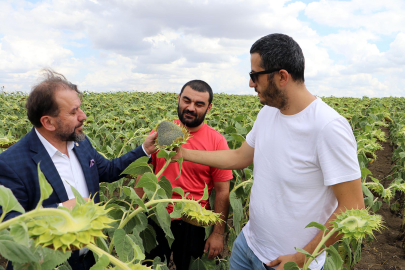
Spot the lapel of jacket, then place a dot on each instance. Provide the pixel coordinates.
(39, 154)
(84, 160)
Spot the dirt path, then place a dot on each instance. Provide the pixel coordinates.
(385, 252)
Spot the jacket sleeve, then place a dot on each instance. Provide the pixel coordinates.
(110, 170)
(10, 179)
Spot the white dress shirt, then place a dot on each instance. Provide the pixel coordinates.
(68, 167)
(69, 170)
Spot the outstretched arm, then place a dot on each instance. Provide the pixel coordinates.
(232, 159)
(110, 170)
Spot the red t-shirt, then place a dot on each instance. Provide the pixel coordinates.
(194, 176)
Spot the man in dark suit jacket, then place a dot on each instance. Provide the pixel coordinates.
(53, 107)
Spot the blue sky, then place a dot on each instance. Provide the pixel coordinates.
(352, 48)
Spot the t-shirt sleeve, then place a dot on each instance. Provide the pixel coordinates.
(219, 175)
(337, 153)
(251, 136)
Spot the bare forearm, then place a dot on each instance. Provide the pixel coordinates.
(222, 207)
(350, 196)
(311, 246)
(232, 159)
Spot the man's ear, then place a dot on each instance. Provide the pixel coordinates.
(284, 78)
(48, 122)
(209, 108)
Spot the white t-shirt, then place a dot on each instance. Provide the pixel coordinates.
(296, 160)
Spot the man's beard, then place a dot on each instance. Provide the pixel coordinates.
(190, 123)
(274, 97)
(67, 136)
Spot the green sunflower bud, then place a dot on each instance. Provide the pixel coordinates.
(357, 223)
(56, 232)
(170, 135)
(199, 216)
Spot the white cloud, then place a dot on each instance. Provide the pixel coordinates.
(396, 53)
(159, 45)
(19, 54)
(382, 17)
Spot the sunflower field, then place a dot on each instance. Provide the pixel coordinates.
(118, 122)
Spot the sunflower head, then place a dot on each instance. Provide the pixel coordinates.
(170, 135)
(199, 216)
(87, 222)
(357, 223)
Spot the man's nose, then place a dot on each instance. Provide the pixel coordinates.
(251, 83)
(82, 115)
(191, 107)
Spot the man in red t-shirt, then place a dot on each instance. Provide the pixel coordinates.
(195, 101)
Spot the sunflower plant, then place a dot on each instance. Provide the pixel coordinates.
(28, 238)
(158, 195)
(352, 224)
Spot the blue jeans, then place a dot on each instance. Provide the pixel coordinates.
(243, 258)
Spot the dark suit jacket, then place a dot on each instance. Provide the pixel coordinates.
(18, 170)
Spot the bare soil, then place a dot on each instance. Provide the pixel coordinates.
(386, 251)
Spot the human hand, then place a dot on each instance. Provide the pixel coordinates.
(71, 203)
(149, 143)
(179, 153)
(280, 261)
(214, 244)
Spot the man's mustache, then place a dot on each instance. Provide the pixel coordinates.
(190, 112)
(81, 124)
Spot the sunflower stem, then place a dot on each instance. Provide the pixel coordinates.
(39, 213)
(150, 203)
(140, 209)
(113, 260)
(160, 173)
(2, 216)
(318, 247)
(164, 167)
(244, 183)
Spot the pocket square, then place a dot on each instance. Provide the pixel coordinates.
(92, 162)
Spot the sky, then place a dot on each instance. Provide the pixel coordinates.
(352, 48)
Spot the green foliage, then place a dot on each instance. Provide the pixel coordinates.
(118, 123)
(9, 202)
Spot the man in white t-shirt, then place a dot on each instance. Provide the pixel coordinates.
(305, 162)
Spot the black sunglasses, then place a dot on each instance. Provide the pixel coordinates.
(253, 75)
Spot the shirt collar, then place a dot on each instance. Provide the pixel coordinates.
(49, 147)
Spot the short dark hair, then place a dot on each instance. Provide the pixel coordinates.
(41, 101)
(279, 51)
(200, 86)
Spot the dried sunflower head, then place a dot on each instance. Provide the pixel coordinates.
(357, 223)
(59, 233)
(199, 216)
(170, 135)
